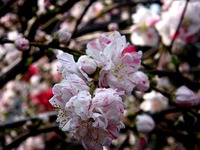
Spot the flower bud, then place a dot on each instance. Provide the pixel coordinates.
(64, 36)
(113, 26)
(22, 44)
(145, 123)
(87, 64)
(142, 143)
(185, 97)
(142, 81)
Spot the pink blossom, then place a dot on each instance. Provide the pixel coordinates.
(144, 123)
(22, 44)
(95, 121)
(154, 102)
(108, 113)
(102, 102)
(70, 66)
(185, 97)
(144, 33)
(190, 24)
(118, 61)
(113, 26)
(42, 99)
(142, 81)
(63, 92)
(94, 10)
(81, 105)
(64, 35)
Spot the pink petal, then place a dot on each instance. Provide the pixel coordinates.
(129, 49)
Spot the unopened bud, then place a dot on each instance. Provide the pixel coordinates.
(142, 81)
(145, 123)
(22, 44)
(113, 26)
(185, 97)
(86, 64)
(64, 36)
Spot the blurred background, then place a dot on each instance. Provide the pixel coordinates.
(166, 31)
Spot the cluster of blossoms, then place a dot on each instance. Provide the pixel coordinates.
(90, 97)
(149, 24)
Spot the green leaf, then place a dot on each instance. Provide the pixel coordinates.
(175, 61)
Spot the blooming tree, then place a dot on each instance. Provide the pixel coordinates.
(99, 74)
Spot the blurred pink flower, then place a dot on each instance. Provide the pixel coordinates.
(142, 81)
(190, 24)
(144, 123)
(185, 97)
(22, 44)
(32, 70)
(143, 32)
(64, 35)
(42, 99)
(154, 102)
(113, 26)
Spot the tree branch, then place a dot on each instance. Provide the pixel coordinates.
(179, 25)
(27, 134)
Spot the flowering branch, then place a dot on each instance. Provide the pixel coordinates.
(44, 18)
(41, 118)
(5, 7)
(81, 17)
(179, 25)
(27, 134)
(120, 4)
(175, 76)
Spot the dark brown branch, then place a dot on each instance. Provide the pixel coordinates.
(179, 25)
(100, 27)
(21, 122)
(82, 15)
(20, 67)
(27, 134)
(188, 140)
(175, 76)
(5, 8)
(119, 5)
(44, 18)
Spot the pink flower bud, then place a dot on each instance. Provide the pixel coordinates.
(87, 64)
(144, 123)
(142, 142)
(64, 36)
(142, 81)
(113, 26)
(22, 44)
(185, 97)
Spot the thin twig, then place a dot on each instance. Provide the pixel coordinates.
(119, 5)
(175, 76)
(44, 18)
(25, 135)
(81, 17)
(21, 122)
(179, 25)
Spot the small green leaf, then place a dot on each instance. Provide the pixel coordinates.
(175, 61)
